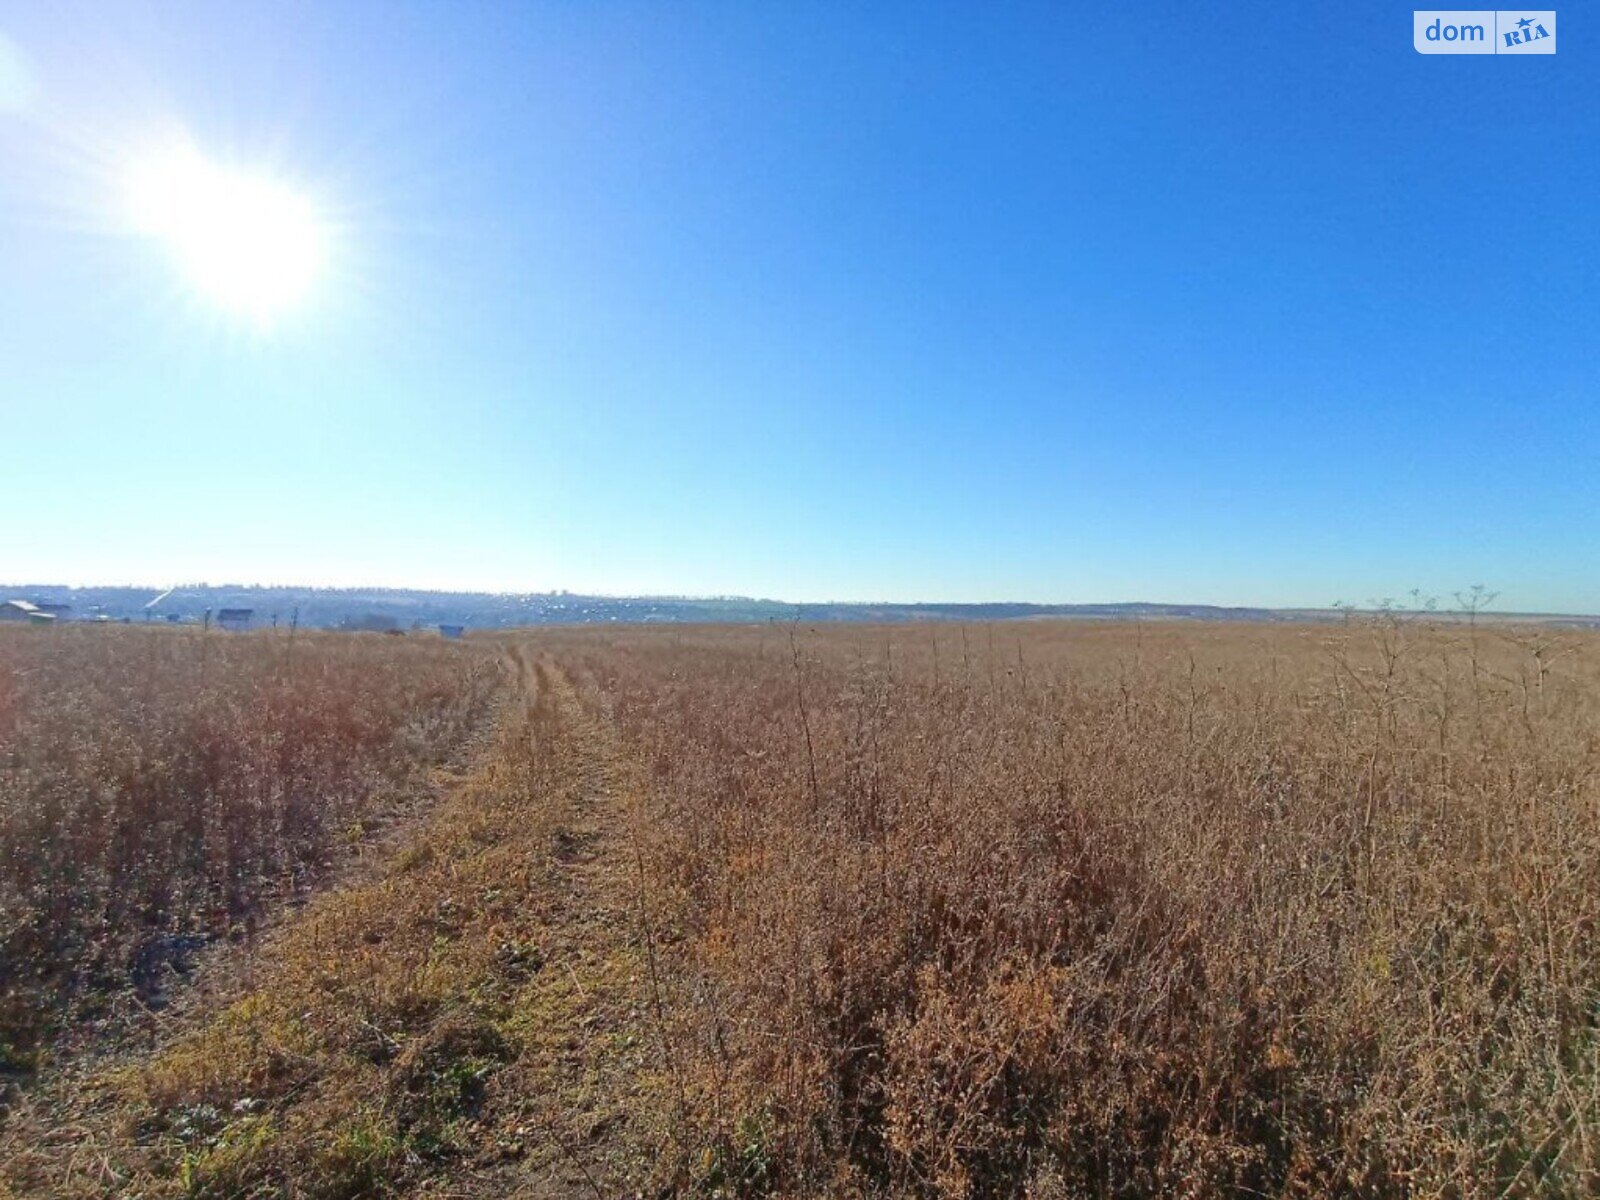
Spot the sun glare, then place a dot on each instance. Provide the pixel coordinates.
(248, 242)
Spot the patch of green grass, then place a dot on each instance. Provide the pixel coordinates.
(237, 1161)
(364, 1159)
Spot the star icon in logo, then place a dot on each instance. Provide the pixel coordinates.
(1525, 22)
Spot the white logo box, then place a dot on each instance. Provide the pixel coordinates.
(1484, 31)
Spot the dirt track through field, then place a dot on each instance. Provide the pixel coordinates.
(587, 1073)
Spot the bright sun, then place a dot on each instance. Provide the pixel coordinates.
(243, 239)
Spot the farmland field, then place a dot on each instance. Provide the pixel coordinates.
(1033, 908)
(158, 788)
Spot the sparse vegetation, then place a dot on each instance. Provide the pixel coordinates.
(946, 911)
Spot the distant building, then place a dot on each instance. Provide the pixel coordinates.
(235, 618)
(18, 610)
(59, 611)
(452, 631)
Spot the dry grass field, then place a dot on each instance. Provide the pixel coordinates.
(160, 789)
(1044, 910)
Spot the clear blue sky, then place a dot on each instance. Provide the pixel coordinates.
(1234, 303)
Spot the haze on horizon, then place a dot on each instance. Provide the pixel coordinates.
(1253, 306)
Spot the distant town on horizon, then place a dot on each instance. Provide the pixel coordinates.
(385, 609)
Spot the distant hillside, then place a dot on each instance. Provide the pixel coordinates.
(376, 607)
